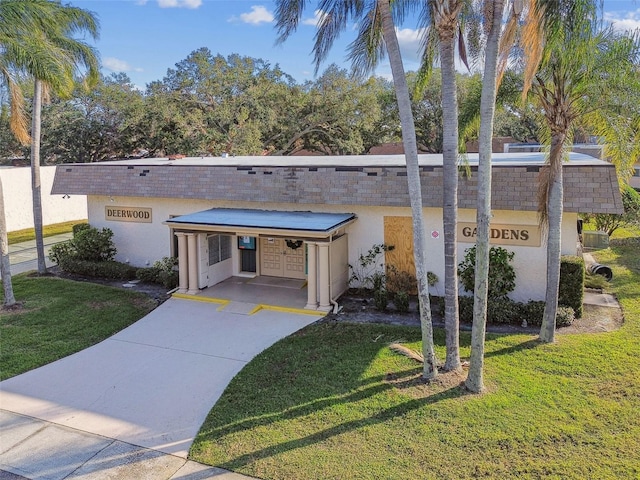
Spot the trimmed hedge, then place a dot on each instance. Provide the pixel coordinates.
(571, 289)
(507, 312)
(108, 269)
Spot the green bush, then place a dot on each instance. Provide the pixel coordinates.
(94, 245)
(381, 299)
(161, 272)
(78, 227)
(502, 276)
(571, 289)
(532, 312)
(506, 311)
(401, 301)
(109, 269)
(565, 316)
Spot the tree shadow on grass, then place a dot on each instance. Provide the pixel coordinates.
(527, 345)
(323, 435)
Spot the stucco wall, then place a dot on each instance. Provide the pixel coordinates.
(143, 243)
(18, 204)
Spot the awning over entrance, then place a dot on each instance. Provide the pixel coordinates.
(238, 220)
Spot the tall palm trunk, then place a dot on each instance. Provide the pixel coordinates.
(36, 187)
(475, 378)
(5, 266)
(554, 205)
(450, 197)
(413, 179)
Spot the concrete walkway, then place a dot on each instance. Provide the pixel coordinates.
(23, 255)
(130, 407)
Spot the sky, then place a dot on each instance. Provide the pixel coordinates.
(144, 38)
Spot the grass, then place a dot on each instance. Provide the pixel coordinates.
(332, 402)
(60, 317)
(47, 231)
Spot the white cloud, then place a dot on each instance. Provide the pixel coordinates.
(179, 3)
(628, 21)
(141, 2)
(318, 15)
(117, 65)
(258, 14)
(410, 43)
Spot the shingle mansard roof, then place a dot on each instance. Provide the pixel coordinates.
(590, 185)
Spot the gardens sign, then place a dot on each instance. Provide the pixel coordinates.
(128, 214)
(516, 235)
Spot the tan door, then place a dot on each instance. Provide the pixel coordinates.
(279, 260)
(271, 257)
(398, 231)
(294, 261)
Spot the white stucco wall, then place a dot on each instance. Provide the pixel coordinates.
(143, 243)
(18, 203)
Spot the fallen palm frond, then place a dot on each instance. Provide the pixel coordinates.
(406, 351)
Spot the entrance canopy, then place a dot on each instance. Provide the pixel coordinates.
(269, 222)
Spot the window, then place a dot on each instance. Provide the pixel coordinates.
(219, 248)
(636, 172)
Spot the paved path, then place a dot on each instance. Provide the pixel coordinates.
(23, 256)
(140, 394)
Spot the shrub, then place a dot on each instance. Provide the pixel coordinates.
(109, 269)
(571, 289)
(564, 316)
(398, 281)
(532, 312)
(465, 308)
(94, 245)
(381, 299)
(503, 311)
(78, 227)
(161, 272)
(401, 301)
(369, 268)
(502, 276)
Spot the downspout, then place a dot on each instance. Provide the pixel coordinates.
(336, 307)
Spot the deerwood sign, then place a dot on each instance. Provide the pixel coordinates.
(128, 214)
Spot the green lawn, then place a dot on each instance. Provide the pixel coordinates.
(332, 402)
(61, 317)
(47, 231)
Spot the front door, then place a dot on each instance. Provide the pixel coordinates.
(280, 260)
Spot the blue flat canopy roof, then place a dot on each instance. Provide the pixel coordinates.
(265, 219)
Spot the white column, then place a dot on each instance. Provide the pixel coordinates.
(183, 263)
(312, 277)
(323, 276)
(193, 263)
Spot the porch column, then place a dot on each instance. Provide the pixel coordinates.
(312, 277)
(183, 263)
(193, 263)
(323, 276)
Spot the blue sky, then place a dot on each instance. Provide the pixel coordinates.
(143, 38)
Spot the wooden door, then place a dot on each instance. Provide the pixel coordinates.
(398, 231)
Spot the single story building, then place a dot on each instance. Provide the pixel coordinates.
(312, 217)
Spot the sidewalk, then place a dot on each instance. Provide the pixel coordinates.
(24, 257)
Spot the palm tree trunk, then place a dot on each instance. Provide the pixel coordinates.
(450, 199)
(429, 370)
(5, 266)
(36, 187)
(555, 204)
(475, 378)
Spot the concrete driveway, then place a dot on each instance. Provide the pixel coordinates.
(152, 384)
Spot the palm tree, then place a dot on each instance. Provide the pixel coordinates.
(475, 379)
(377, 32)
(571, 76)
(37, 38)
(5, 266)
